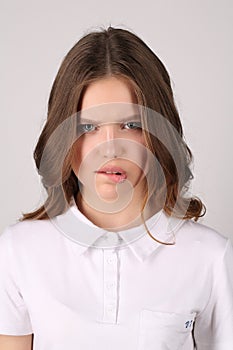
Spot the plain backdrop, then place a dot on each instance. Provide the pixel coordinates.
(192, 38)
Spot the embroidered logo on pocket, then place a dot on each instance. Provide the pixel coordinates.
(188, 324)
(165, 330)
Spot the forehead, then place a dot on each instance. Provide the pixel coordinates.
(108, 90)
(110, 99)
(111, 112)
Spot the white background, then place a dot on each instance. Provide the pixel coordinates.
(192, 38)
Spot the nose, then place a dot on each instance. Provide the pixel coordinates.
(113, 145)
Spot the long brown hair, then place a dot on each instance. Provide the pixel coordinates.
(120, 53)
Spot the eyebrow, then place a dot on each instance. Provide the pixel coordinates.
(134, 117)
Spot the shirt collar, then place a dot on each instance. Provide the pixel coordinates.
(76, 227)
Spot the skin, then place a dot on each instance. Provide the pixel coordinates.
(16, 342)
(110, 141)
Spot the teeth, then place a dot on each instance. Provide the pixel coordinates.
(113, 172)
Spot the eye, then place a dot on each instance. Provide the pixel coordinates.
(132, 125)
(86, 128)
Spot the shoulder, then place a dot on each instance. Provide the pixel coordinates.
(27, 227)
(203, 233)
(27, 233)
(207, 242)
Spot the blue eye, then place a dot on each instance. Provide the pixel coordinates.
(85, 128)
(133, 125)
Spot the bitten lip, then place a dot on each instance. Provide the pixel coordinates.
(111, 170)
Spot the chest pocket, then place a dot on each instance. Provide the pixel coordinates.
(165, 331)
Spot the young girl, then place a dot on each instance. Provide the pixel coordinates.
(113, 259)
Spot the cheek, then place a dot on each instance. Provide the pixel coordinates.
(77, 156)
(81, 149)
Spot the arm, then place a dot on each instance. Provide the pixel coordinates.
(23, 342)
(15, 325)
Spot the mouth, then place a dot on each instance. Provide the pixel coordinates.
(115, 174)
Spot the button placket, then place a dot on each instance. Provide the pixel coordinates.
(110, 286)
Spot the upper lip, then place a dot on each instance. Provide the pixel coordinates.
(111, 169)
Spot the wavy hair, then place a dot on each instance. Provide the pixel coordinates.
(119, 53)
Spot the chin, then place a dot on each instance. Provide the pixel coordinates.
(107, 192)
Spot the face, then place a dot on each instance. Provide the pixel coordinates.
(109, 155)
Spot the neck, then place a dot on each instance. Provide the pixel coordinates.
(128, 217)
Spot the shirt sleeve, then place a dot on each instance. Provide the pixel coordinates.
(14, 317)
(214, 325)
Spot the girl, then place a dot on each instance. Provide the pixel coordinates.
(114, 258)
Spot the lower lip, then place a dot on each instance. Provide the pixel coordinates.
(115, 178)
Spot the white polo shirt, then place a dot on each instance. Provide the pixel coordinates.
(105, 293)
